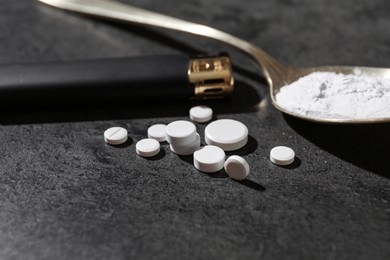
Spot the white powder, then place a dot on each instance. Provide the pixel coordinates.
(337, 96)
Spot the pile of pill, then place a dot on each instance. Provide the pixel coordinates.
(182, 137)
(220, 136)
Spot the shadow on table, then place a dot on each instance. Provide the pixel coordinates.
(251, 184)
(364, 145)
(223, 175)
(249, 148)
(246, 182)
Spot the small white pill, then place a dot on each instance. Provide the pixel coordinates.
(157, 132)
(236, 167)
(187, 149)
(115, 135)
(147, 147)
(180, 133)
(209, 159)
(201, 114)
(282, 155)
(228, 134)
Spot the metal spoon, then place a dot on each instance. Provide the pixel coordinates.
(276, 73)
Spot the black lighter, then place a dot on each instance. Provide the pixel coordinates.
(137, 78)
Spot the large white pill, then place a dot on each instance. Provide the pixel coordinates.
(282, 155)
(187, 149)
(147, 147)
(209, 159)
(157, 132)
(228, 134)
(181, 133)
(115, 135)
(201, 114)
(236, 167)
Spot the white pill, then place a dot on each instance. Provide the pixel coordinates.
(201, 114)
(236, 167)
(180, 133)
(115, 135)
(147, 147)
(187, 149)
(209, 159)
(157, 132)
(282, 155)
(228, 134)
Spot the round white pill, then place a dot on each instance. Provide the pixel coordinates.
(115, 135)
(180, 133)
(201, 114)
(228, 134)
(147, 147)
(209, 159)
(157, 132)
(236, 167)
(187, 149)
(282, 155)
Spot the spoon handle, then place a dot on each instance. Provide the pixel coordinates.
(113, 10)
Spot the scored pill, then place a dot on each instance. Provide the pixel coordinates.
(115, 135)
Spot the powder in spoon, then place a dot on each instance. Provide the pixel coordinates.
(330, 95)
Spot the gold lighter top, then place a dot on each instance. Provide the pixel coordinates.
(211, 77)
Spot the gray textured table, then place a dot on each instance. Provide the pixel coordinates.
(65, 194)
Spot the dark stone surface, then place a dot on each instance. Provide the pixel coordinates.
(65, 194)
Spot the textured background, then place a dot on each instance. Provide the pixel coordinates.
(65, 194)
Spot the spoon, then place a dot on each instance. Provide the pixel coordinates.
(276, 73)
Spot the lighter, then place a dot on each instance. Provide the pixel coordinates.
(135, 78)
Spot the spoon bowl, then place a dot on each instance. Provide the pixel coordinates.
(276, 73)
